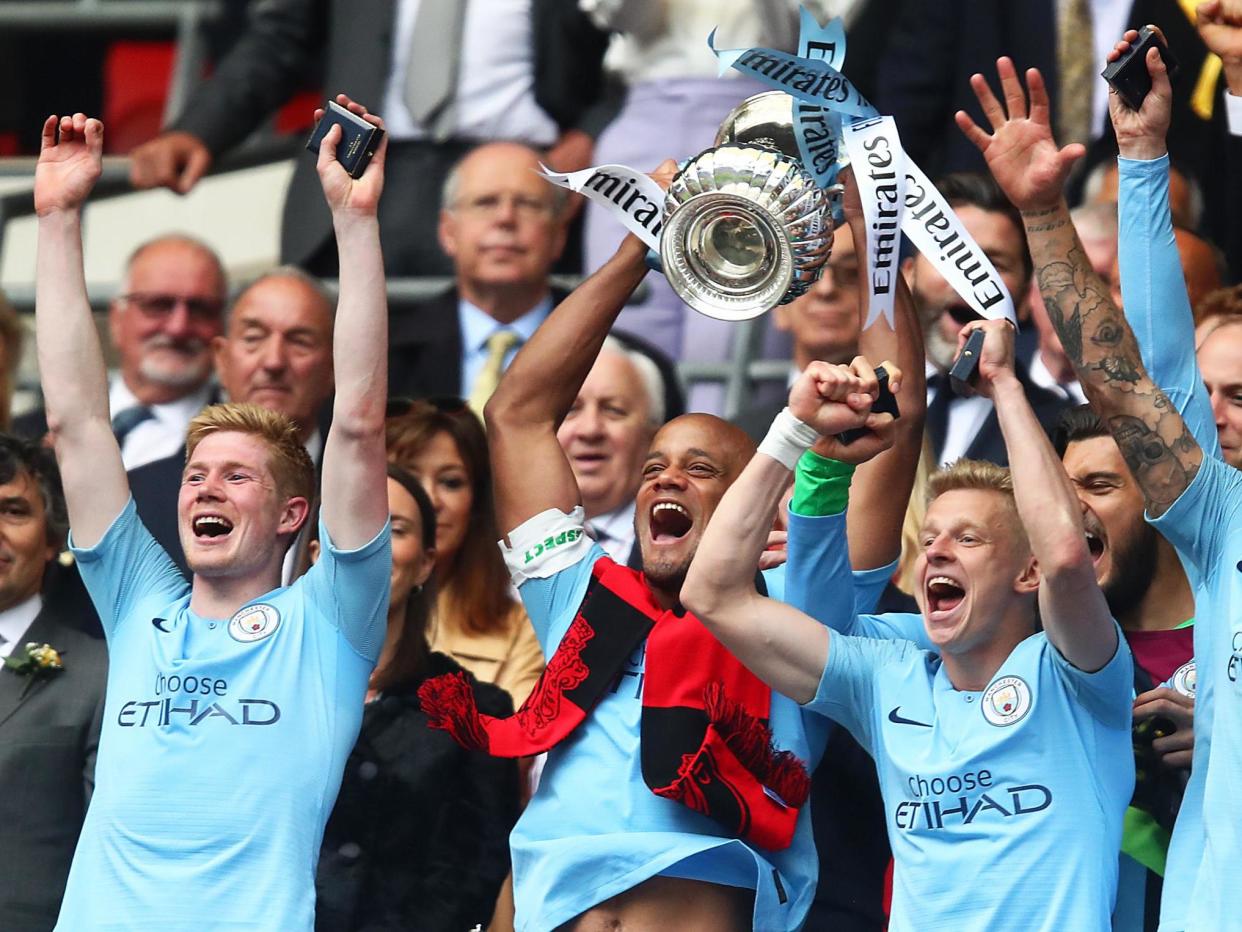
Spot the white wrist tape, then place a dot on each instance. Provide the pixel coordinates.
(787, 439)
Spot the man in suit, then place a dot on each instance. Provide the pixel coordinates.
(49, 722)
(968, 427)
(502, 69)
(277, 353)
(162, 323)
(503, 227)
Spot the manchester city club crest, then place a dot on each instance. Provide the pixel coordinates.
(1185, 680)
(1006, 701)
(254, 623)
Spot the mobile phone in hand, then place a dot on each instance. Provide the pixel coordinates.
(1128, 75)
(885, 403)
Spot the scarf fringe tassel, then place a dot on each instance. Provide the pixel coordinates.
(752, 744)
(449, 704)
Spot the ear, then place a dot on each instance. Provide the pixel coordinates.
(907, 270)
(446, 232)
(293, 516)
(114, 319)
(219, 355)
(1027, 582)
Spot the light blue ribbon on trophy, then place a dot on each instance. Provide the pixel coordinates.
(818, 129)
(872, 143)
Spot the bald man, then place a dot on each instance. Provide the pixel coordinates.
(503, 227)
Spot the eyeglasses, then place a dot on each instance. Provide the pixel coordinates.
(445, 404)
(158, 306)
(488, 206)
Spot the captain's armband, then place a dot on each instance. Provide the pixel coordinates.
(545, 544)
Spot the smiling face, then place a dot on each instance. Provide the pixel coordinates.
(692, 461)
(1123, 545)
(607, 433)
(24, 545)
(442, 471)
(1220, 363)
(941, 310)
(412, 563)
(232, 519)
(278, 349)
(973, 570)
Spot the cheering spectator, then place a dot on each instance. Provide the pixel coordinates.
(162, 325)
(419, 837)
(476, 620)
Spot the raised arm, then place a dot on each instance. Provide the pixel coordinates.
(1072, 607)
(530, 471)
(882, 486)
(1024, 158)
(355, 505)
(71, 365)
(1153, 288)
(784, 647)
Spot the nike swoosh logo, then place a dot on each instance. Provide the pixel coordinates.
(897, 719)
(159, 623)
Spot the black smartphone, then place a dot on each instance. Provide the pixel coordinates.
(965, 371)
(885, 403)
(1128, 75)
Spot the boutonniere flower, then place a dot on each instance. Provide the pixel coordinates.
(35, 662)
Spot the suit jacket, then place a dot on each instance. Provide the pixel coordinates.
(48, 739)
(989, 443)
(924, 76)
(425, 352)
(348, 45)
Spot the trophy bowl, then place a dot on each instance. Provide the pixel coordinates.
(746, 228)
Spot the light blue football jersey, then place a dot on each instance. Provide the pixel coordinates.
(223, 739)
(1205, 524)
(1153, 290)
(594, 829)
(1004, 806)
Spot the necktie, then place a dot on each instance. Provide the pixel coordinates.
(936, 424)
(431, 74)
(498, 346)
(124, 423)
(1075, 71)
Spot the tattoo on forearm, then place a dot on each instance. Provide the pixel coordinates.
(1160, 451)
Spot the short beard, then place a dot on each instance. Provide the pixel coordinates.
(940, 351)
(665, 575)
(188, 375)
(1134, 568)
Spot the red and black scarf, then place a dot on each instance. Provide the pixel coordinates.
(704, 736)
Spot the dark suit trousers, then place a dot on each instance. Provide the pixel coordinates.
(409, 213)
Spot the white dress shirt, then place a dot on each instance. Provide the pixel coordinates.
(495, 76)
(477, 327)
(1108, 22)
(160, 436)
(966, 417)
(614, 531)
(16, 621)
(1040, 375)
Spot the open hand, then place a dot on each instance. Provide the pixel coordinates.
(1020, 151)
(70, 162)
(343, 193)
(1141, 133)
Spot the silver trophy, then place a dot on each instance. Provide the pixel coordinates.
(746, 227)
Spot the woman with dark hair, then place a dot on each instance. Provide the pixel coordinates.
(477, 621)
(419, 837)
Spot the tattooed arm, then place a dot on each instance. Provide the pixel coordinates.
(1025, 160)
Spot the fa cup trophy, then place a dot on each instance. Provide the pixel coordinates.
(746, 227)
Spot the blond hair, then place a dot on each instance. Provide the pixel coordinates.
(978, 475)
(289, 463)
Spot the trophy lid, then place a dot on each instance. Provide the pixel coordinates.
(762, 120)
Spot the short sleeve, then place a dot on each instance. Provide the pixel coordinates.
(847, 688)
(126, 568)
(1198, 522)
(550, 558)
(1108, 692)
(351, 587)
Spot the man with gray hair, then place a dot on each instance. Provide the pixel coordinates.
(503, 227)
(606, 436)
(162, 323)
